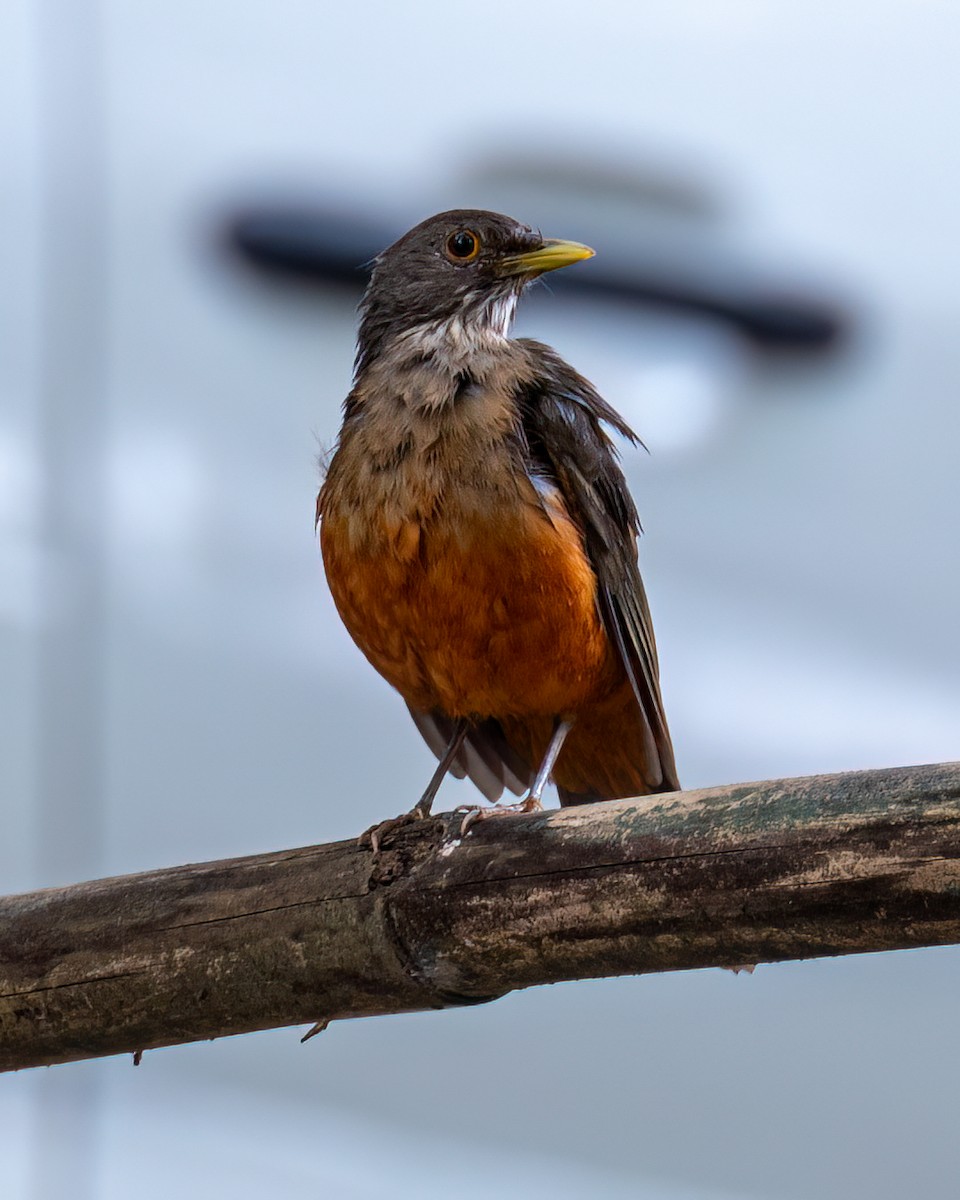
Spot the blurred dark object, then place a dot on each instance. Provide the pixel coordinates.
(679, 264)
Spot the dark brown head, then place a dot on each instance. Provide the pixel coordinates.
(466, 265)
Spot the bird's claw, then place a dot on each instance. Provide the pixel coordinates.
(473, 814)
(373, 837)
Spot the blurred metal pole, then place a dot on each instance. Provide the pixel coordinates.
(74, 526)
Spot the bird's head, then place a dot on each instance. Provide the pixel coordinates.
(457, 275)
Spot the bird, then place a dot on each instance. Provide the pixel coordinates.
(478, 535)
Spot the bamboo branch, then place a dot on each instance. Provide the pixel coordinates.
(831, 864)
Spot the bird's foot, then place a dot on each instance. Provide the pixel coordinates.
(473, 814)
(372, 838)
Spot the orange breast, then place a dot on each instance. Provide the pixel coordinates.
(480, 613)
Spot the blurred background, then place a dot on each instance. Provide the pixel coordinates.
(188, 191)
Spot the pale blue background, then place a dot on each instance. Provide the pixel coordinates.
(174, 685)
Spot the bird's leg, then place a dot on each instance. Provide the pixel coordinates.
(376, 833)
(425, 803)
(532, 801)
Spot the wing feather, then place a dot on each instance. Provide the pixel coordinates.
(485, 756)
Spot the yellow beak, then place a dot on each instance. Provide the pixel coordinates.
(552, 254)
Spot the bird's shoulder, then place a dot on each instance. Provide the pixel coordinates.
(563, 422)
(555, 381)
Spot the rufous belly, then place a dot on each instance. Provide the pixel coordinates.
(482, 617)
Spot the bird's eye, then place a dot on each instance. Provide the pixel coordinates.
(463, 246)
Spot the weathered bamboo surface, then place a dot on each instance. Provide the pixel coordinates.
(760, 872)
